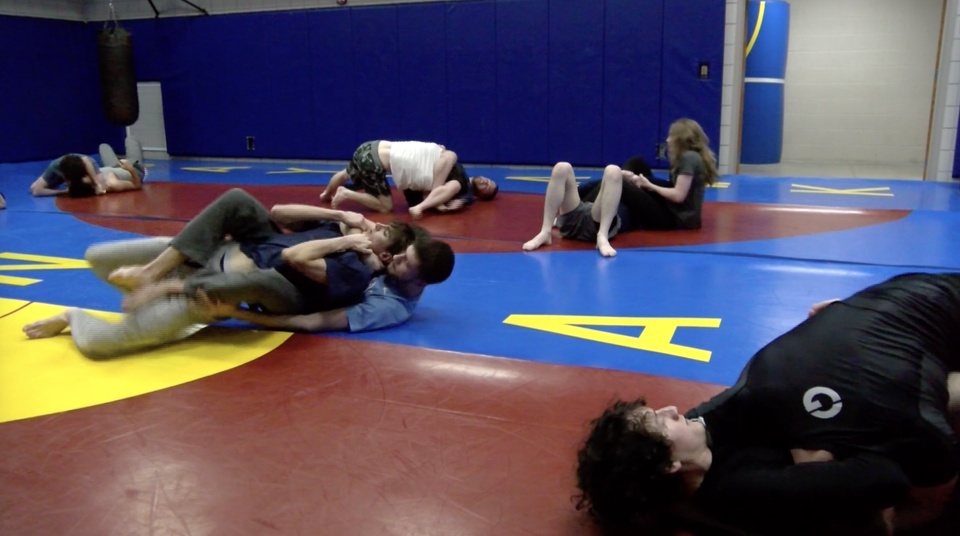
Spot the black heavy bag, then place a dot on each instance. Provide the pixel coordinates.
(118, 79)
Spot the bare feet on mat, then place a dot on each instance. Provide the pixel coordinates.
(326, 195)
(339, 198)
(416, 212)
(48, 327)
(129, 277)
(542, 239)
(604, 246)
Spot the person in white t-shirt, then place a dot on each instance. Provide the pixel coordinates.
(427, 173)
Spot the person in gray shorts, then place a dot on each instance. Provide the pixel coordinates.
(271, 271)
(80, 176)
(581, 220)
(129, 169)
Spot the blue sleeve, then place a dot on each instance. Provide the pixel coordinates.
(378, 312)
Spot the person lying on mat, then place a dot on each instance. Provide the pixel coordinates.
(311, 269)
(389, 300)
(623, 200)
(846, 416)
(418, 168)
(80, 176)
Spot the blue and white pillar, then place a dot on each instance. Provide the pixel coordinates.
(768, 30)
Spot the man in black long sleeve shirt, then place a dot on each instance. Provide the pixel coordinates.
(863, 383)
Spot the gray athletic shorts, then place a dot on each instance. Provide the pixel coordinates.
(578, 224)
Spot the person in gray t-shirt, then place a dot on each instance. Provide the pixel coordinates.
(625, 200)
(692, 167)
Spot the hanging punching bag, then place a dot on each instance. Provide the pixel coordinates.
(118, 79)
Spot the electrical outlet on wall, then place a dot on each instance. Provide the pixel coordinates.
(250, 143)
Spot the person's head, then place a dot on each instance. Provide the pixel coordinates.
(424, 262)
(387, 240)
(75, 176)
(687, 135)
(630, 465)
(484, 188)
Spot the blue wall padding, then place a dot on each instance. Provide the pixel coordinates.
(763, 107)
(693, 34)
(50, 91)
(472, 80)
(523, 81)
(376, 73)
(423, 72)
(290, 95)
(768, 56)
(631, 80)
(501, 82)
(576, 81)
(332, 80)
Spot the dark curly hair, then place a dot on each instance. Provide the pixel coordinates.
(436, 260)
(623, 470)
(74, 171)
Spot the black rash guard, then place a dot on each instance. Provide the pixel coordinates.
(865, 379)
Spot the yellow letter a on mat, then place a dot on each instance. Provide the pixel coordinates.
(655, 337)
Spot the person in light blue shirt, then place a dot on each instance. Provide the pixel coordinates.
(389, 300)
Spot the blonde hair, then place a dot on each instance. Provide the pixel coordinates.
(686, 135)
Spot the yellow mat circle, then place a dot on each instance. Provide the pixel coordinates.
(45, 376)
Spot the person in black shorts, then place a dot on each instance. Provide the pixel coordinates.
(627, 199)
(467, 190)
(427, 173)
(846, 416)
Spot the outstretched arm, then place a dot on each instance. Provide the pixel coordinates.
(765, 481)
(39, 188)
(323, 321)
(676, 194)
(294, 216)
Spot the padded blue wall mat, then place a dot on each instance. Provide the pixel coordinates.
(50, 88)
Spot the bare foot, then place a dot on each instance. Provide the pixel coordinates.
(416, 212)
(48, 327)
(542, 239)
(129, 277)
(339, 197)
(604, 246)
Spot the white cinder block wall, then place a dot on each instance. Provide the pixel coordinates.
(859, 81)
(43, 9)
(95, 10)
(732, 86)
(944, 136)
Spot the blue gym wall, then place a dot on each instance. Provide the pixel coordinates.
(509, 81)
(49, 90)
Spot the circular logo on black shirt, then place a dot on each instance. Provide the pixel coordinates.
(822, 402)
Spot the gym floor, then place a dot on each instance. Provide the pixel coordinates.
(464, 421)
